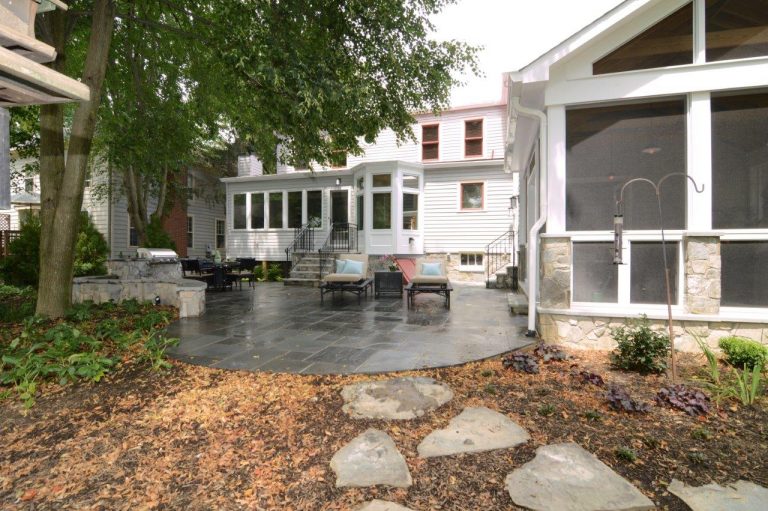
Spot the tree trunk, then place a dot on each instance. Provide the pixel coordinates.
(60, 205)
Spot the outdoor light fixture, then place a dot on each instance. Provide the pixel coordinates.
(618, 238)
(338, 181)
(157, 300)
(513, 201)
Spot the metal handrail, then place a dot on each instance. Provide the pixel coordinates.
(342, 238)
(303, 240)
(499, 253)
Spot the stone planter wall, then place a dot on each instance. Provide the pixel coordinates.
(594, 332)
(186, 295)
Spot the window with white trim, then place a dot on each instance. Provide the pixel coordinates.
(221, 237)
(190, 232)
(471, 261)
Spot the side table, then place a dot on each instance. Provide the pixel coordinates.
(388, 283)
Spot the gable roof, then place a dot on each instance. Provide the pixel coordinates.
(538, 70)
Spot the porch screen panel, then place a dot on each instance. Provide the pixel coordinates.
(740, 162)
(238, 211)
(276, 210)
(382, 210)
(647, 283)
(744, 278)
(667, 43)
(315, 208)
(294, 209)
(736, 29)
(257, 211)
(595, 277)
(608, 146)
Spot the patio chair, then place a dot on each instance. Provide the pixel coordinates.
(430, 277)
(353, 280)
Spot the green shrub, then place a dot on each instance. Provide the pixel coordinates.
(22, 266)
(275, 273)
(741, 352)
(155, 347)
(16, 303)
(640, 348)
(626, 454)
(156, 235)
(258, 273)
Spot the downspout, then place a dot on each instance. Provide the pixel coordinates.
(109, 210)
(533, 237)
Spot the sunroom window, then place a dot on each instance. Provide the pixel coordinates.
(276, 210)
(736, 29)
(744, 279)
(595, 277)
(238, 211)
(647, 281)
(294, 210)
(257, 211)
(667, 43)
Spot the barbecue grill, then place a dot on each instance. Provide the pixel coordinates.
(158, 255)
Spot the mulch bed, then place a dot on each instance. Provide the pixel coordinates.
(197, 438)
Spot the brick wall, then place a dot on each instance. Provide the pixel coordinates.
(175, 224)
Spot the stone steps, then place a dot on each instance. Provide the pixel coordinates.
(518, 303)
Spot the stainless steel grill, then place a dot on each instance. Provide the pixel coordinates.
(159, 255)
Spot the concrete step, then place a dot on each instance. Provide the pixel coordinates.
(518, 303)
(305, 275)
(301, 282)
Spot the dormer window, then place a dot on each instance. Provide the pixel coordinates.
(430, 142)
(473, 138)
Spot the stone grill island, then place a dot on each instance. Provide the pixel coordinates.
(155, 273)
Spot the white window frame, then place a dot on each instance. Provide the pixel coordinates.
(130, 227)
(412, 191)
(249, 205)
(190, 233)
(305, 206)
(216, 223)
(472, 268)
(247, 211)
(460, 188)
(625, 272)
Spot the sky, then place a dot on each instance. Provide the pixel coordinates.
(513, 33)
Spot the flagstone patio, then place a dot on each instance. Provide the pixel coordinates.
(272, 327)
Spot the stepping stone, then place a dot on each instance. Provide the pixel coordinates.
(565, 477)
(473, 430)
(742, 496)
(382, 505)
(398, 398)
(370, 459)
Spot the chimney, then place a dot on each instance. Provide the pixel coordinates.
(249, 165)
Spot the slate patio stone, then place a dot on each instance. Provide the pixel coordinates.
(370, 459)
(741, 496)
(382, 505)
(344, 337)
(396, 398)
(473, 430)
(565, 477)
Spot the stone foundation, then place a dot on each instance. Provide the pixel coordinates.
(452, 263)
(594, 332)
(186, 295)
(555, 273)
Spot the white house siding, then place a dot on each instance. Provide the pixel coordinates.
(447, 229)
(270, 244)
(204, 216)
(451, 137)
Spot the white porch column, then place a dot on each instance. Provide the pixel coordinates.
(556, 169)
(699, 162)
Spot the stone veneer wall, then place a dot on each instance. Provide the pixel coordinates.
(555, 273)
(594, 332)
(702, 274)
(701, 296)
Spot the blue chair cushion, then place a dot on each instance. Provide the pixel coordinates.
(431, 269)
(340, 263)
(352, 267)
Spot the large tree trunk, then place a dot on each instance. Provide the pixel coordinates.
(61, 182)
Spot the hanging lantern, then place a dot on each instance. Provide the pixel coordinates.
(618, 239)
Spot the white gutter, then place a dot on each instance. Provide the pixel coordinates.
(533, 237)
